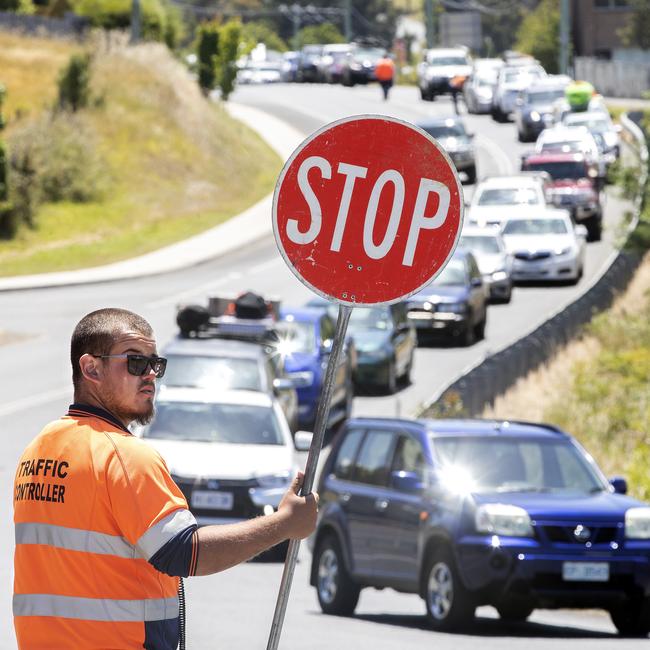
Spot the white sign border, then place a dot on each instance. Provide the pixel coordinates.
(298, 150)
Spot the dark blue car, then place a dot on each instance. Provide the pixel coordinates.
(454, 305)
(474, 512)
(307, 336)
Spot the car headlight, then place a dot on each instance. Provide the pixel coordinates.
(302, 379)
(271, 481)
(562, 251)
(535, 116)
(637, 523)
(453, 307)
(499, 275)
(503, 519)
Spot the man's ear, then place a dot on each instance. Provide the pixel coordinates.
(90, 368)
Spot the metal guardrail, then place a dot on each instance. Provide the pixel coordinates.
(479, 386)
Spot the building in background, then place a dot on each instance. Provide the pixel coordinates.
(597, 25)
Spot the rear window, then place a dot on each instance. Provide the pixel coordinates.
(509, 196)
(448, 60)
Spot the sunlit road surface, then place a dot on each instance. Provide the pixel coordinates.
(234, 610)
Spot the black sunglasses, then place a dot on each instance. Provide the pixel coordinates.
(137, 364)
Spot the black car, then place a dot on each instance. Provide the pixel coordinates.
(307, 68)
(534, 108)
(454, 305)
(450, 132)
(358, 67)
(385, 342)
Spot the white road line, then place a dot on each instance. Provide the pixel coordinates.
(25, 403)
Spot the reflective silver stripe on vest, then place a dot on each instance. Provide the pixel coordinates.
(74, 539)
(159, 534)
(95, 609)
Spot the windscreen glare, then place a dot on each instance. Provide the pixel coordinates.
(452, 274)
(240, 424)
(516, 465)
(299, 337)
(509, 196)
(220, 373)
(369, 318)
(480, 244)
(535, 227)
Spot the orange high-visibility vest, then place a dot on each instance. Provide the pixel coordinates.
(384, 69)
(92, 504)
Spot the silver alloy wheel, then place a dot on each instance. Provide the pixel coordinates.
(328, 574)
(440, 591)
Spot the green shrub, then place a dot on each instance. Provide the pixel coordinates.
(74, 83)
(4, 185)
(207, 50)
(260, 32)
(8, 221)
(229, 40)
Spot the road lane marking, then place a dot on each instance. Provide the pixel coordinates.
(25, 403)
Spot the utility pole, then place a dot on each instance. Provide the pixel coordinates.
(428, 17)
(135, 21)
(565, 28)
(347, 19)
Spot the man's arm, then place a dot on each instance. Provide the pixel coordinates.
(222, 547)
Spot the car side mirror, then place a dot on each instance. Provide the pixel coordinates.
(302, 440)
(282, 383)
(581, 231)
(406, 481)
(619, 484)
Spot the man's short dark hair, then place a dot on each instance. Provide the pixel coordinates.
(96, 332)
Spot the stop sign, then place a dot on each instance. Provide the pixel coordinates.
(367, 210)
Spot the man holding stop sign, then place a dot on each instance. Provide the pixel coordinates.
(366, 211)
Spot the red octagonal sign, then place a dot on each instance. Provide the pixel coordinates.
(367, 210)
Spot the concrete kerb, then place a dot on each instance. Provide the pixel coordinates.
(249, 226)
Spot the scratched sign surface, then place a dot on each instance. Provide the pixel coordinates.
(367, 210)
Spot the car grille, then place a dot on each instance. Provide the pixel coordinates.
(243, 507)
(532, 257)
(566, 534)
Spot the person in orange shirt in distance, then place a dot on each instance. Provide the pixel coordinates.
(385, 73)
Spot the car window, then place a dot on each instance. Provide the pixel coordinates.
(452, 274)
(451, 130)
(545, 96)
(409, 456)
(242, 424)
(512, 465)
(560, 170)
(296, 336)
(509, 196)
(447, 60)
(369, 318)
(344, 464)
(373, 464)
(535, 227)
(220, 373)
(481, 244)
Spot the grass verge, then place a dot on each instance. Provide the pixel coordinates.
(174, 165)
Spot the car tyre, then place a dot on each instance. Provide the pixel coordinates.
(632, 618)
(514, 611)
(480, 328)
(337, 593)
(449, 605)
(469, 334)
(594, 229)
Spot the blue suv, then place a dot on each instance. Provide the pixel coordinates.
(475, 512)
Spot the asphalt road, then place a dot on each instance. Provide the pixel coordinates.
(234, 610)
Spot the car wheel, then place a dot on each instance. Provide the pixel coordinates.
(514, 611)
(449, 605)
(480, 328)
(632, 618)
(391, 380)
(471, 174)
(469, 334)
(337, 593)
(594, 228)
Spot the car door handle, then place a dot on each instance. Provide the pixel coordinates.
(381, 504)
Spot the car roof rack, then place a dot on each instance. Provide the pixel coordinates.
(245, 317)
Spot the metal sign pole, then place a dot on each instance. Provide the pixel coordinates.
(322, 415)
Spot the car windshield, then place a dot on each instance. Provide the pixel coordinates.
(599, 125)
(447, 60)
(453, 273)
(564, 146)
(220, 373)
(372, 53)
(508, 196)
(298, 336)
(240, 424)
(560, 170)
(452, 130)
(493, 464)
(369, 318)
(545, 97)
(535, 227)
(480, 244)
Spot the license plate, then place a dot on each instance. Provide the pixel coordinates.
(585, 571)
(212, 500)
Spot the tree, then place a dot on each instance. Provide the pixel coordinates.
(261, 32)
(539, 34)
(315, 34)
(19, 6)
(229, 41)
(637, 31)
(206, 52)
(74, 83)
